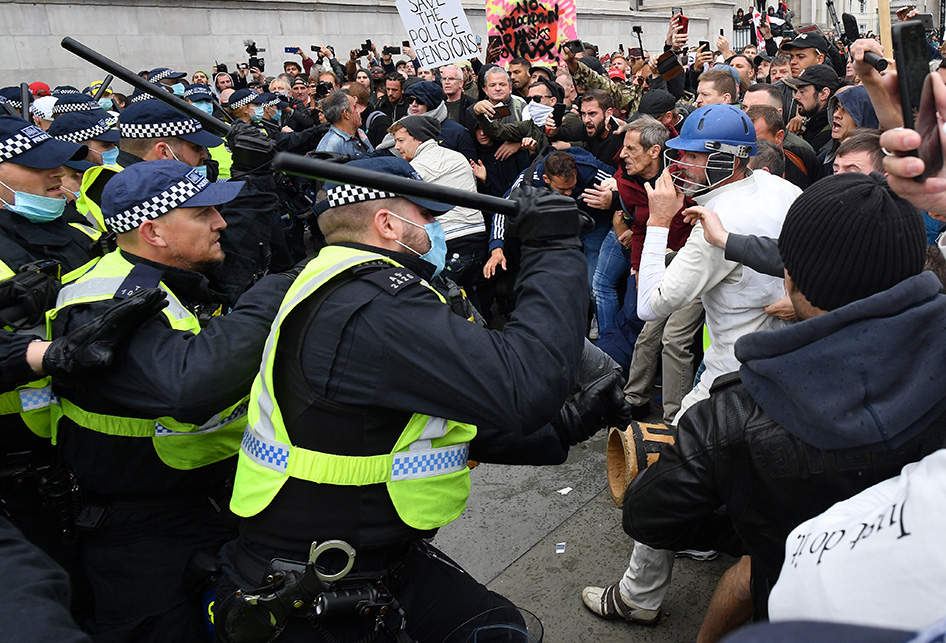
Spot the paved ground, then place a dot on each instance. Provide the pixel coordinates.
(507, 539)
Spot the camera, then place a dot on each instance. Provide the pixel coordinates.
(323, 89)
(253, 51)
(391, 51)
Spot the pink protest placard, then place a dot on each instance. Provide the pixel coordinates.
(532, 29)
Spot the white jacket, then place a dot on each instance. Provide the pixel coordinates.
(733, 296)
(441, 166)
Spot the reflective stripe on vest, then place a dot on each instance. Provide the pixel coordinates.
(216, 439)
(31, 401)
(100, 288)
(328, 468)
(425, 473)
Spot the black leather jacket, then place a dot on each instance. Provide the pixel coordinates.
(734, 471)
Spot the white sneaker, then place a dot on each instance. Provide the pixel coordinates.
(696, 554)
(607, 603)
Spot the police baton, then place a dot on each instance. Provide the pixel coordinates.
(344, 173)
(209, 123)
(25, 97)
(101, 90)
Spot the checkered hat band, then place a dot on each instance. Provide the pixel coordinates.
(158, 130)
(161, 76)
(348, 194)
(197, 92)
(15, 145)
(271, 103)
(88, 106)
(153, 207)
(243, 101)
(139, 98)
(16, 104)
(84, 134)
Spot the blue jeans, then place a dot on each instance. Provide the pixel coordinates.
(591, 245)
(614, 265)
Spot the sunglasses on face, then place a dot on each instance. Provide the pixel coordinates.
(536, 99)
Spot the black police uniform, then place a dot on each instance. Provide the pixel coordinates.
(357, 367)
(144, 520)
(23, 242)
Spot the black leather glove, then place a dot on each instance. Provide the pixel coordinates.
(546, 218)
(252, 151)
(598, 405)
(93, 345)
(25, 297)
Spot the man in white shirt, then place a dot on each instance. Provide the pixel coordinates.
(711, 167)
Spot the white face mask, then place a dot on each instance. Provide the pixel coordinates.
(538, 112)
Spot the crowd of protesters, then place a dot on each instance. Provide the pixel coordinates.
(758, 261)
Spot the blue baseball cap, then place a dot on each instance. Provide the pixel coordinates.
(159, 74)
(28, 145)
(69, 103)
(62, 90)
(269, 99)
(154, 119)
(137, 96)
(79, 127)
(145, 191)
(345, 194)
(11, 95)
(198, 92)
(240, 98)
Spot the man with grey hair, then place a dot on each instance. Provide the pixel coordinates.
(451, 78)
(669, 338)
(498, 89)
(342, 112)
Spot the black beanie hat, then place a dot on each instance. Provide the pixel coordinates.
(424, 128)
(848, 236)
(430, 94)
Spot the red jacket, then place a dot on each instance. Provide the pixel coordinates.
(637, 210)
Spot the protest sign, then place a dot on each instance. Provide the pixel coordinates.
(532, 29)
(438, 30)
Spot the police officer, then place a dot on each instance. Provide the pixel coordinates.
(41, 238)
(370, 399)
(96, 130)
(151, 440)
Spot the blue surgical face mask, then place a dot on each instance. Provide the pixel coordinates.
(205, 106)
(38, 209)
(437, 255)
(278, 115)
(202, 170)
(258, 113)
(109, 157)
(178, 89)
(106, 104)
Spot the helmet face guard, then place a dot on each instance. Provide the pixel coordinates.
(724, 133)
(720, 166)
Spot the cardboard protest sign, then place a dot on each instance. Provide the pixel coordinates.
(438, 30)
(532, 29)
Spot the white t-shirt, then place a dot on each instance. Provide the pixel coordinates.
(877, 559)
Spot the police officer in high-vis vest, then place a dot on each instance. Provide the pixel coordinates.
(371, 397)
(151, 440)
(98, 131)
(41, 239)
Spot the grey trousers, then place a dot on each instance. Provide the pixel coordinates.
(675, 335)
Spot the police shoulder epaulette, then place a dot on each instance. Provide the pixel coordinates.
(392, 280)
(141, 277)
